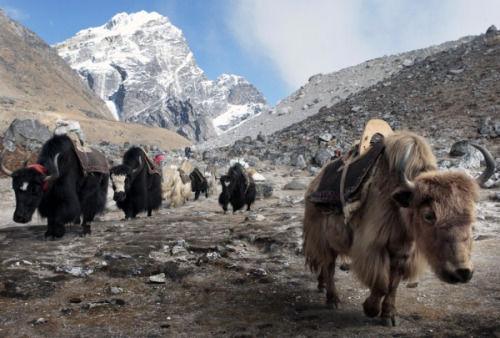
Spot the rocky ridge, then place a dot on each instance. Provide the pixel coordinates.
(325, 90)
(454, 90)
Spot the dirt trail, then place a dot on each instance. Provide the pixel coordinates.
(225, 275)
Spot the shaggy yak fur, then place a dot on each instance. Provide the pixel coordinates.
(57, 187)
(135, 188)
(238, 189)
(199, 183)
(411, 214)
(174, 190)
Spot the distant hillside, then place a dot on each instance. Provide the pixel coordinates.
(36, 83)
(324, 90)
(35, 79)
(448, 96)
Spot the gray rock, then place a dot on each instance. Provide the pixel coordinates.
(485, 127)
(299, 162)
(158, 279)
(114, 290)
(408, 62)
(326, 137)
(460, 148)
(322, 156)
(30, 134)
(261, 137)
(264, 190)
(295, 185)
(456, 71)
(471, 160)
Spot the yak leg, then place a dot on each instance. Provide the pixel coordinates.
(197, 195)
(389, 304)
(50, 227)
(150, 212)
(59, 230)
(371, 306)
(321, 281)
(332, 298)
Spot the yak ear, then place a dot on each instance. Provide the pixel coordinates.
(403, 197)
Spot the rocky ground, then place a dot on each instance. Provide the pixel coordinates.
(194, 271)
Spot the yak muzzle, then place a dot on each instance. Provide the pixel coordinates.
(20, 218)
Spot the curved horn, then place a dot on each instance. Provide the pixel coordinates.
(55, 175)
(3, 168)
(490, 165)
(402, 170)
(26, 160)
(138, 167)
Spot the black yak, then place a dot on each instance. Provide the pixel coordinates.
(136, 184)
(59, 187)
(199, 183)
(238, 189)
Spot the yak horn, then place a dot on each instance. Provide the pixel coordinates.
(402, 170)
(138, 167)
(56, 168)
(490, 165)
(3, 168)
(26, 160)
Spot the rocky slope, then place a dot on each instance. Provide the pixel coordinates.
(35, 79)
(141, 65)
(448, 96)
(325, 90)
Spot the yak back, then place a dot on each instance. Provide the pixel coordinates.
(197, 176)
(328, 192)
(91, 160)
(131, 158)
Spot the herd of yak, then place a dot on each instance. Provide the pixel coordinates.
(66, 189)
(405, 213)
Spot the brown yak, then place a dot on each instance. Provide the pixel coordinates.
(411, 214)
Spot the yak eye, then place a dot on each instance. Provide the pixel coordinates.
(429, 216)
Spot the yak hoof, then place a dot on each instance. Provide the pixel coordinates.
(86, 230)
(371, 307)
(59, 232)
(391, 321)
(332, 302)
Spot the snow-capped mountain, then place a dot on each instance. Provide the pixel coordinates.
(141, 66)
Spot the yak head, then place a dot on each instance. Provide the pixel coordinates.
(121, 178)
(439, 208)
(29, 183)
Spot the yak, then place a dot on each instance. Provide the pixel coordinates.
(59, 188)
(411, 214)
(199, 183)
(136, 185)
(238, 189)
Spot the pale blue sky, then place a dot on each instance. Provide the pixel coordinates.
(277, 44)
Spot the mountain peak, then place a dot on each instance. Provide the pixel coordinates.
(137, 19)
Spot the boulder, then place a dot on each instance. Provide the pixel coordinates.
(460, 148)
(299, 162)
(295, 185)
(264, 190)
(322, 156)
(29, 134)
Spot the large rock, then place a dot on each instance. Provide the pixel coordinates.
(322, 156)
(295, 185)
(264, 189)
(460, 148)
(29, 134)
